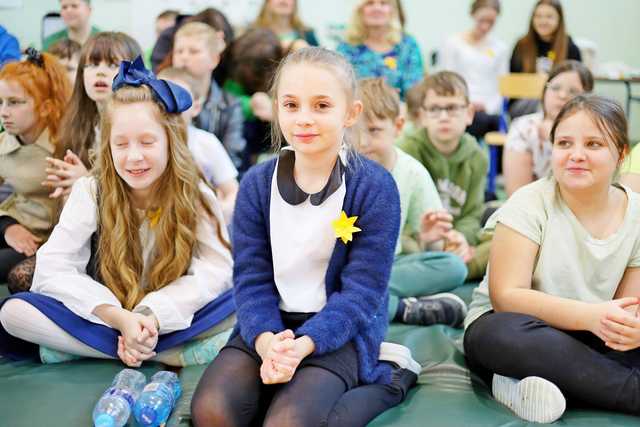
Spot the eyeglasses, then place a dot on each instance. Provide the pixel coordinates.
(557, 88)
(452, 110)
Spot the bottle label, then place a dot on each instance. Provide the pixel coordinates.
(113, 391)
(151, 387)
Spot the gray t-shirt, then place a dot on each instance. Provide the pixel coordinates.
(570, 262)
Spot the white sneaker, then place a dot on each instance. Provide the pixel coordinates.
(533, 398)
(400, 355)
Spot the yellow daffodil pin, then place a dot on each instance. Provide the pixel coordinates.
(344, 227)
(391, 62)
(154, 217)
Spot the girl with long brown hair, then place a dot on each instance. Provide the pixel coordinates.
(33, 95)
(79, 131)
(547, 42)
(141, 247)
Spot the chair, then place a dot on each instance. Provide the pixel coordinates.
(511, 86)
(51, 24)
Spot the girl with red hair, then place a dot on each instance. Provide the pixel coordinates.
(33, 95)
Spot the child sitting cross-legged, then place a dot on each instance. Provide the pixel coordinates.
(421, 270)
(138, 267)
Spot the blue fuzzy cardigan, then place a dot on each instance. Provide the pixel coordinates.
(357, 276)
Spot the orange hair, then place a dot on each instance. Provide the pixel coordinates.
(48, 85)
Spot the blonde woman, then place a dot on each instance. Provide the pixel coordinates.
(281, 17)
(377, 46)
(139, 266)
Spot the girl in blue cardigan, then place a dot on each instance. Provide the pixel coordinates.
(314, 235)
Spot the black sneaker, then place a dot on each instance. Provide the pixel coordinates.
(445, 308)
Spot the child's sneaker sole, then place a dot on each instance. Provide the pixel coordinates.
(532, 398)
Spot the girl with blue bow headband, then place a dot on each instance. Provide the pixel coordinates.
(139, 259)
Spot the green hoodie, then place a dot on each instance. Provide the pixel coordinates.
(460, 178)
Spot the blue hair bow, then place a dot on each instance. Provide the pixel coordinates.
(174, 97)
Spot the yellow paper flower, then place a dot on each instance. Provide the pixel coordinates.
(551, 55)
(391, 62)
(344, 227)
(154, 217)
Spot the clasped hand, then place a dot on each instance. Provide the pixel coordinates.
(281, 355)
(138, 339)
(617, 324)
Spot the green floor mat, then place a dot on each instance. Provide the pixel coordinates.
(55, 395)
(446, 396)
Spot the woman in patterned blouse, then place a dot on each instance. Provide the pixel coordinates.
(377, 46)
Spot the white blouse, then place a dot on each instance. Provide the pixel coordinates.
(61, 265)
(480, 65)
(302, 242)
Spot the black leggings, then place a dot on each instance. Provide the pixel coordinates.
(360, 405)
(586, 371)
(231, 393)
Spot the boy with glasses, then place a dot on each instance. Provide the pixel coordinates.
(422, 273)
(454, 159)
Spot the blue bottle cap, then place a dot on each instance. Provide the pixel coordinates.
(104, 420)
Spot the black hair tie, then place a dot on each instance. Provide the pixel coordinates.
(34, 56)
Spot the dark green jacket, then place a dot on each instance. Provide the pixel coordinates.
(460, 178)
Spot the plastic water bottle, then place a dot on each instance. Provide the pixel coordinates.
(115, 406)
(157, 400)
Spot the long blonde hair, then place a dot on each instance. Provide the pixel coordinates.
(177, 195)
(266, 19)
(357, 32)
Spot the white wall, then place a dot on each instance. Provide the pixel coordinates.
(614, 25)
